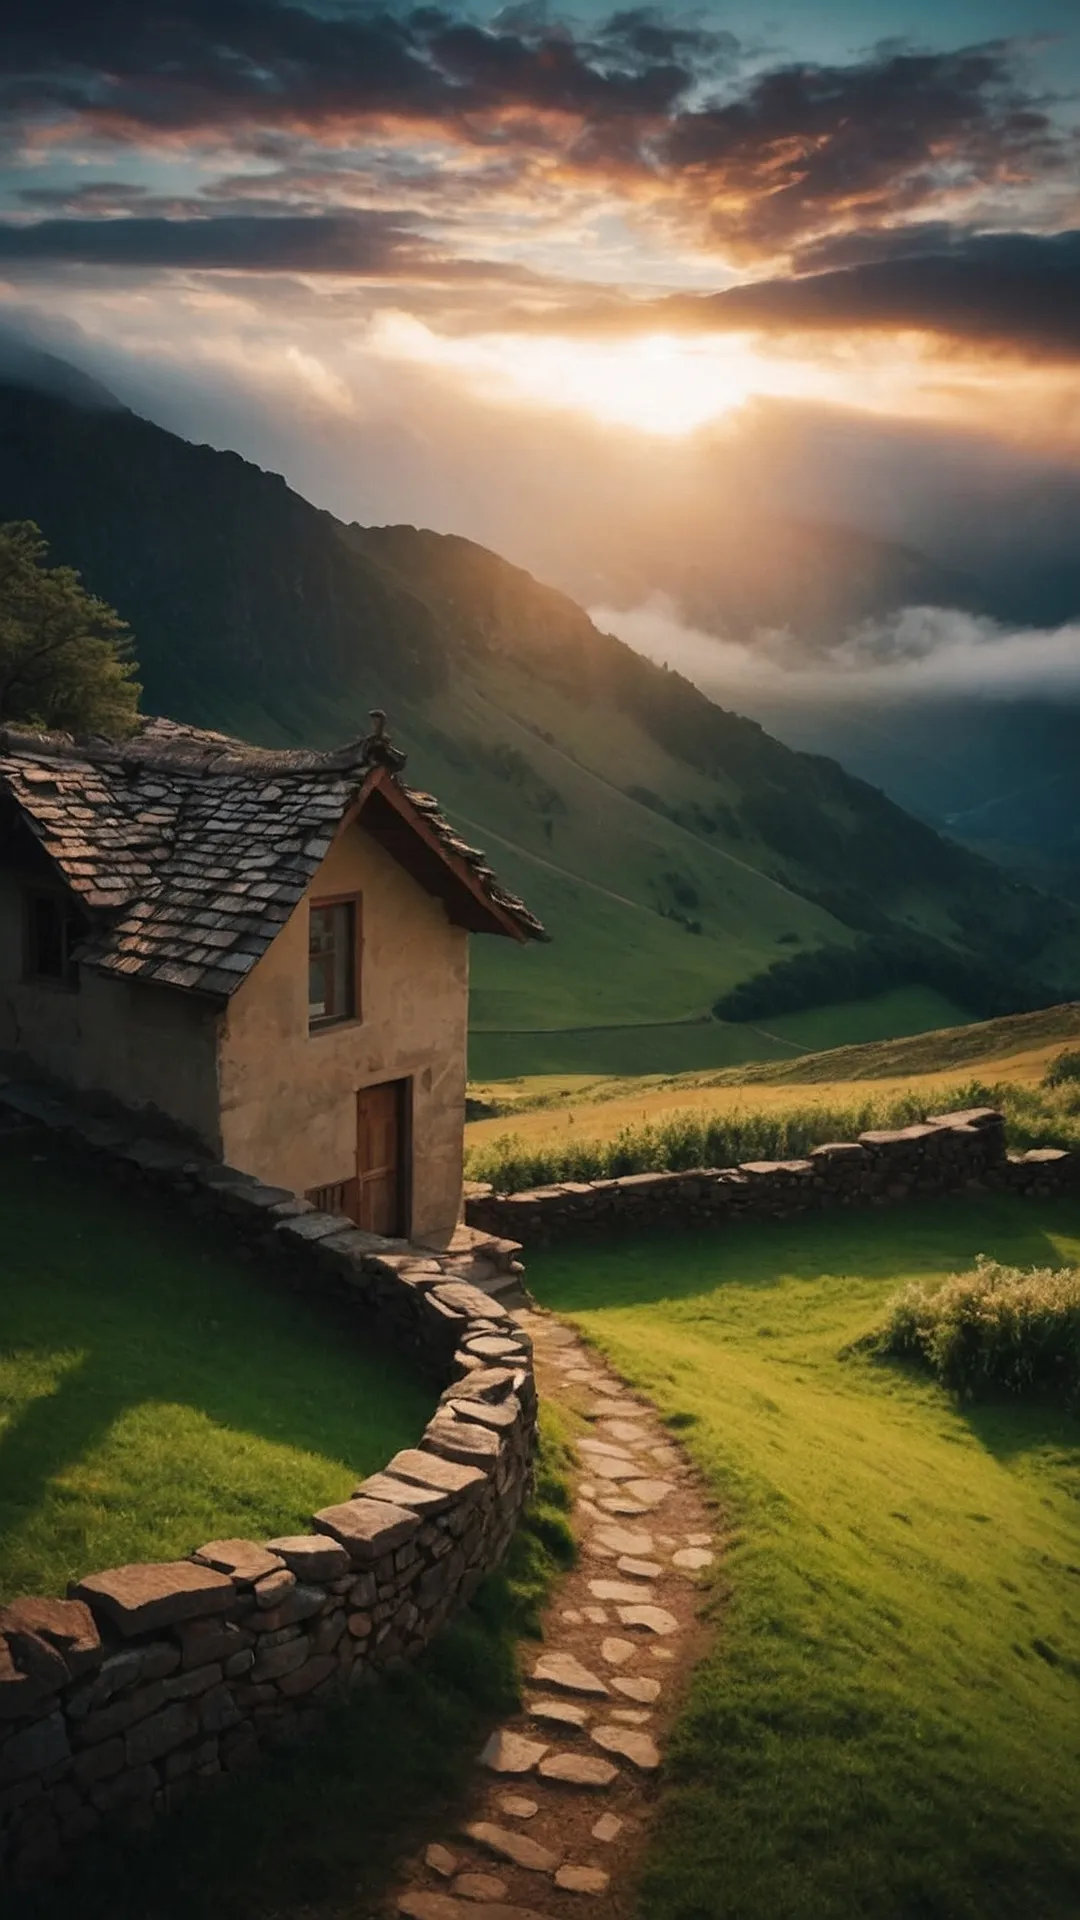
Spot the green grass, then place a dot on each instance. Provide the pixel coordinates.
(514, 1161)
(156, 1392)
(675, 1046)
(889, 1722)
(313, 1832)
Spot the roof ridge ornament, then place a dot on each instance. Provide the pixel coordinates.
(373, 749)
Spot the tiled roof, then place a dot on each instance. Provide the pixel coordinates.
(190, 850)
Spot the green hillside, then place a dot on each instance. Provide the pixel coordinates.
(674, 850)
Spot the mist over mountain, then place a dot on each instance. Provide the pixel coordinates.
(674, 848)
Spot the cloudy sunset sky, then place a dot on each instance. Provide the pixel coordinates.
(409, 254)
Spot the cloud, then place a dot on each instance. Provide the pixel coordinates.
(371, 243)
(917, 654)
(662, 116)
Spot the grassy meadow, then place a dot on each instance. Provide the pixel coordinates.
(888, 1723)
(155, 1392)
(550, 1127)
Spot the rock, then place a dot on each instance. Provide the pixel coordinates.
(564, 1672)
(624, 1540)
(480, 1886)
(644, 1690)
(272, 1589)
(34, 1749)
(650, 1619)
(368, 1528)
(614, 1590)
(693, 1559)
(639, 1569)
(622, 1507)
(602, 1449)
(18, 1693)
(441, 1860)
(245, 1561)
(631, 1716)
(596, 1616)
(67, 1625)
(607, 1828)
(516, 1847)
(617, 1652)
(431, 1470)
(699, 1539)
(153, 1594)
(160, 1733)
(639, 1748)
(311, 1556)
(649, 1493)
(630, 1432)
(426, 1501)
(561, 1713)
(509, 1752)
(516, 1807)
(601, 1467)
(461, 1440)
(38, 1659)
(577, 1770)
(582, 1880)
(417, 1905)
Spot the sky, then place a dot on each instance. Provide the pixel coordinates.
(471, 265)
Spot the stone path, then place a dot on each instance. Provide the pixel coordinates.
(557, 1814)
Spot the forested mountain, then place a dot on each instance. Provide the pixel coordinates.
(675, 850)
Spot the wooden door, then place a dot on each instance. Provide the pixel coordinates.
(382, 1158)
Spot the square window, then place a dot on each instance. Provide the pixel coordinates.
(52, 933)
(333, 956)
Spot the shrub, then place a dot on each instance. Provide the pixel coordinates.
(994, 1330)
(1064, 1070)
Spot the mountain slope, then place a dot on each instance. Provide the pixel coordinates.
(674, 849)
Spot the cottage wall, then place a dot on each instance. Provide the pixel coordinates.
(145, 1046)
(288, 1097)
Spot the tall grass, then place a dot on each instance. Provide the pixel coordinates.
(1036, 1117)
(994, 1329)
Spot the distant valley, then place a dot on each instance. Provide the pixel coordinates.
(676, 851)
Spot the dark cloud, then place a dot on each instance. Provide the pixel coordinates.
(641, 106)
(1020, 290)
(372, 243)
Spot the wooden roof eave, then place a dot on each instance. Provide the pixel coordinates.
(468, 903)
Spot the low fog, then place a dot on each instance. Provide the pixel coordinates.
(917, 654)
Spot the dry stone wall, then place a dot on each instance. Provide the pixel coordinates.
(947, 1153)
(148, 1679)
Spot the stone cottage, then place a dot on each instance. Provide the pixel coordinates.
(268, 951)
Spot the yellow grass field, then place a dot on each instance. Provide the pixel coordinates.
(548, 1109)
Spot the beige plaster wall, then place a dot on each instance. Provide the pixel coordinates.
(144, 1045)
(288, 1097)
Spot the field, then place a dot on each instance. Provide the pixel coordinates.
(549, 1115)
(155, 1393)
(888, 1724)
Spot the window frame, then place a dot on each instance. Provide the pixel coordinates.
(67, 980)
(327, 1023)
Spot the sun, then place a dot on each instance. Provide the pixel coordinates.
(665, 384)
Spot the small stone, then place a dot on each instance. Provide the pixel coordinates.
(623, 1508)
(635, 1689)
(639, 1569)
(596, 1616)
(367, 1528)
(607, 1828)
(582, 1880)
(480, 1886)
(624, 1539)
(617, 1652)
(311, 1556)
(572, 1617)
(508, 1752)
(600, 1448)
(562, 1713)
(516, 1807)
(650, 1619)
(516, 1847)
(273, 1588)
(666, 1456)
(649, 1493)
(693, 1559)
(150, 1594)
(245, 1560)
(440, 1860)
(603, 1467)
(586, 1493)
(631, 1716)
(417, 1905)
(630, 1432)
(577, 1770)
(614, 1590)
(699, 1539)
(639, 1748)
(662, 1653)
(564, 1672)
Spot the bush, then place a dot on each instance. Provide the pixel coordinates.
(994, 1330)
(1065, 1069)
